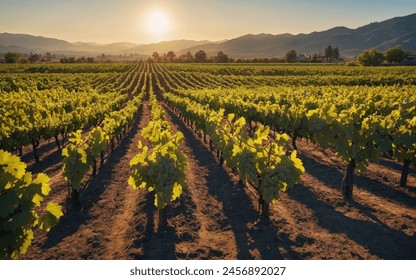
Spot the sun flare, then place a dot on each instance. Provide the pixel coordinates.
(158, 23)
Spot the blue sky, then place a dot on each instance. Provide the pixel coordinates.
(106, 21)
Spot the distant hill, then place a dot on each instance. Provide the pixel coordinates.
(380, 35)
(24, 43)
(164, 47)
(33, 43)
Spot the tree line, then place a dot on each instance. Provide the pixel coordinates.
(372, 57)
(13, 57)
(200, 56)
(330, 55)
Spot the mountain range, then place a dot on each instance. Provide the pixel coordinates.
(381, 35)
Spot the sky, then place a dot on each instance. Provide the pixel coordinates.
(150, 21)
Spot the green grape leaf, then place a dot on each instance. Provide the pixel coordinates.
(51, 217)
(11, 170)
(298, 164)
(97, 141)
(25, 242)
(20, 220)
(65, 152)
(75, 137)
(43, 180)
(8, 203)
(262, 134)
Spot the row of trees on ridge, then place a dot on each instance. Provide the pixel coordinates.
(200, 56)
(372, 57)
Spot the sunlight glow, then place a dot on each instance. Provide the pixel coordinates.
(158, 23)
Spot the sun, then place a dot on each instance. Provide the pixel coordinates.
(158, 23)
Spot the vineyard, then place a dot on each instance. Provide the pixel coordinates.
(207, 161)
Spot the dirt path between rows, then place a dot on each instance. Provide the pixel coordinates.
(315, 222)
(98, 230)
(222, 207)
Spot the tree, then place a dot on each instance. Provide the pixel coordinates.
(48, 56)
(187, 57)
(170, 56)
(11, 57)
(328, 53)
(80, 60)
(395, 55)
(34, 58)
(221, 57)
(371, 58)
(291, 56)
(200, 56)
(156, 56)
(335, 53)
(68, 59)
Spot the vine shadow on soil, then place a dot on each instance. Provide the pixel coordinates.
(390, 193)
(161, 245)
(52, 159)
(74, 218)
(381, 240)
(152, 244)
(332, 177)
(398, 166)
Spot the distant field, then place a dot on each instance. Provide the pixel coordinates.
(230, 161)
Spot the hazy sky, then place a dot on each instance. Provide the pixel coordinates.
(145, 21)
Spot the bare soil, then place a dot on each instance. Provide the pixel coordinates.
(217, 216)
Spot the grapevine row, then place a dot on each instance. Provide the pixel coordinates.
(359, 124)
(260, 160)
(160, 165)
